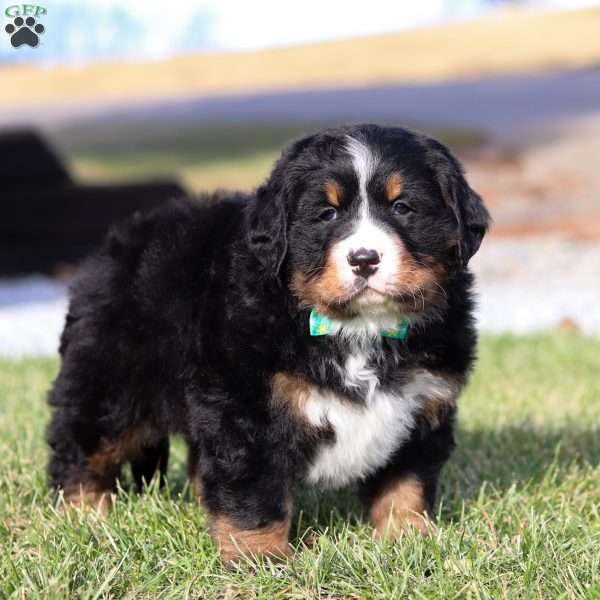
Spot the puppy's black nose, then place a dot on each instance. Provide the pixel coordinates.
(363, 261)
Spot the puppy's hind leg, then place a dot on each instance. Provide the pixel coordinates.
(88, 473)
(149, 459)
(85, 459)
(81, 466)
(194, 472)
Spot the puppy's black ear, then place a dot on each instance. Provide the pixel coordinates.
(267, 235)
(471, 215)
(475, 221)
(268, 224)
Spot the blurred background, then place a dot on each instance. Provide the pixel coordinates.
(120, 105)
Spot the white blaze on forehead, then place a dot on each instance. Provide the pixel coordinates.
(367, 233)
(365, 161)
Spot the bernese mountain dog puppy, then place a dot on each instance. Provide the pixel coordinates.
(318, 331)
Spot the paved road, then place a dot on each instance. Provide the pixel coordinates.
(499, 105)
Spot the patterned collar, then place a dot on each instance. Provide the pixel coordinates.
(321, 325)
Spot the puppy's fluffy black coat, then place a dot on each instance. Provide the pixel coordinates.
(194, 319)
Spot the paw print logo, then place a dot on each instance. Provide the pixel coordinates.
(24, 32)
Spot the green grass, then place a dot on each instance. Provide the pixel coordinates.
(202, 157)
(518, 511)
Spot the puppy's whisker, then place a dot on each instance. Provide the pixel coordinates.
(311, 273)
(420, 290)
(442, 291)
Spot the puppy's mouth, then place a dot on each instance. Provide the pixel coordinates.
(364, 292)
(367, 300)
(367, 295)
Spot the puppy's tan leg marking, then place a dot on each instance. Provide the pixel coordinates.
(113, 453)
(96, 482)
(233, 543)
(400, 505)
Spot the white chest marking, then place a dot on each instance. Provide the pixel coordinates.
(367, 435)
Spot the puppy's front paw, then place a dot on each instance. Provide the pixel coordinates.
(401, 506)
(400, 521)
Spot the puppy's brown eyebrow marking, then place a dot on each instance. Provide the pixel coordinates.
(393, 186)
(334, 192)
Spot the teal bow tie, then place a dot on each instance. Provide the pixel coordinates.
(321, 325)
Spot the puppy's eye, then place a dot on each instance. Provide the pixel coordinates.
(401, 208)
(329, 214)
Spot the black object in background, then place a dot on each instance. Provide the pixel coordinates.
(48, 221)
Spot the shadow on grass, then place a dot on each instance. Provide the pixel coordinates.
(497, 459)
(518, 454)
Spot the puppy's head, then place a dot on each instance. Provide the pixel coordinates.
(367, 219)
